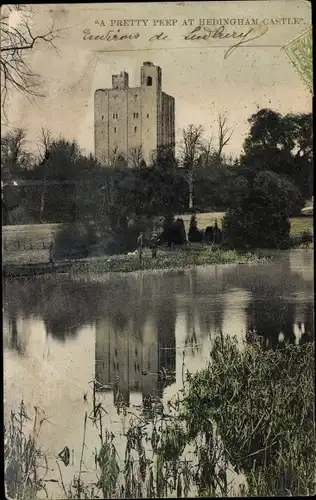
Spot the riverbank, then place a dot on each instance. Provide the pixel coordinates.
(193, 255)
(227, 418)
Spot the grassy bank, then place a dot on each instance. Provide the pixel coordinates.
(251, 411)
(194, 255)
(190, 256)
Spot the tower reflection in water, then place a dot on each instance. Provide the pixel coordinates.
(127, 362)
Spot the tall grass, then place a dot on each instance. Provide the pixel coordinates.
(25, 466)
(250, 412)
(262, 402)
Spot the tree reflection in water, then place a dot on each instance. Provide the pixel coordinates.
(135, 315)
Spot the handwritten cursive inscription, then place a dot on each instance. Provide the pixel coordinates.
(197, 34)
(205, 33)
(110, 36)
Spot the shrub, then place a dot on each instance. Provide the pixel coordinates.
(179, 235)
(259, 212)
(194, 234)
(74, 241)
(307, 237)
(20, 215)
(126, 240)
(173, 231)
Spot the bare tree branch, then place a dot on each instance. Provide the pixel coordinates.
(136, 158)
(16, 43)
(224, 135)
(190, 150)
(207, 152)
(114, 156)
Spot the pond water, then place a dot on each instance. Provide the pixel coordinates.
(60, 333)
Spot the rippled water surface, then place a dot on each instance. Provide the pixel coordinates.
(61, 333)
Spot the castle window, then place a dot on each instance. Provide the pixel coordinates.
(135, 129)
(115, 115)
(149, 81)
(147, 115)
(114, 130)
(102, 117)
(135, 97)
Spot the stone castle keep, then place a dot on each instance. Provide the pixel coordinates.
(129, 120)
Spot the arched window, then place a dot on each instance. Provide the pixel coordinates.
(149, 81)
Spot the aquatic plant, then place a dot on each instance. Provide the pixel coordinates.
(249, 413)
(23, 458)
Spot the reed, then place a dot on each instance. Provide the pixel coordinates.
(250, 412)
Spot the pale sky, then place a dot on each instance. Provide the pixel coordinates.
(196, 73)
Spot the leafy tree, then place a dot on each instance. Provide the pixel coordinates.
(194, 235)
(15, 156)
(260, 210)
(16, 160)
(179, 233)
(282, 144)
(73, 241)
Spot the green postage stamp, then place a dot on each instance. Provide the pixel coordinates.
(299, 51)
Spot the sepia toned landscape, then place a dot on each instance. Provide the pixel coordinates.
(157, 250)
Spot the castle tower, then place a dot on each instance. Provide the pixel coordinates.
(133, 121)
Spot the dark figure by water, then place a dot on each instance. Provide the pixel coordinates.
(154, 246)
(217, 234)
(140, 245)
(51, 246)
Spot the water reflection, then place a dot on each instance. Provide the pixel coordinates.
(141, 320)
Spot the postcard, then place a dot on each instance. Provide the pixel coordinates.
(157, 249)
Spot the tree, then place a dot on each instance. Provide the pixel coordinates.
(15, 157)
(190, 150)
(46, 142)
(16, 160)
(116, 159)
(60, 166)
(259, 211)
(224, 136)
(17, 40)
(194, 235)
(136, 158)
(282, 144)
(207, 153)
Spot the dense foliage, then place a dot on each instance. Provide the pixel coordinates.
(250, 411)
(260, 212)
(262, 403)
(271, 181)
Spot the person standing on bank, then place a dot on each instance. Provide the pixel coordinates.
(154, 246)
(51, 246)
(140, 244)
